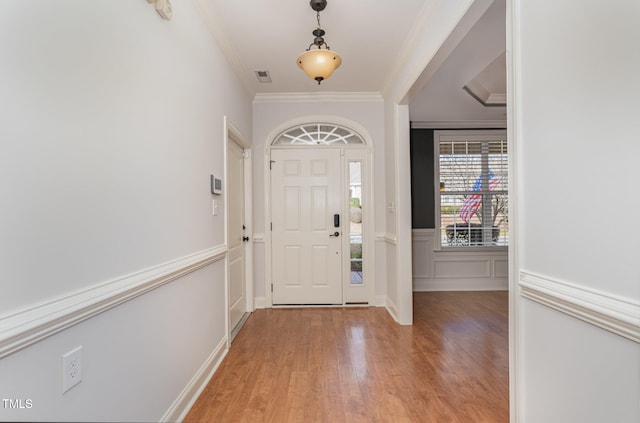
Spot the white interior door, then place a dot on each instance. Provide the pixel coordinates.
(306, 240)
(235, 222)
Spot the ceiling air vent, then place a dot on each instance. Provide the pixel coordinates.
(263, 75)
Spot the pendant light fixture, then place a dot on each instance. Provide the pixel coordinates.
(319, 63)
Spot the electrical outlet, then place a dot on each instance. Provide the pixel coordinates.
(71, 369)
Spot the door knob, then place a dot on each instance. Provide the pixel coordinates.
(336, 233)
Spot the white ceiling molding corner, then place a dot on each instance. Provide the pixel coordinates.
(489, 86)
(487, 99)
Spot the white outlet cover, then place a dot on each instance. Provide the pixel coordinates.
(71, 369)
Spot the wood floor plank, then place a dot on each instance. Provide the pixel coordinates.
(358, 365)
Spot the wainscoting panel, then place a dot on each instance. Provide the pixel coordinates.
(26, 327)
(438, 270)
(455, 268)
(501, 268)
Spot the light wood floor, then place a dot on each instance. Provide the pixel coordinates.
(358, 365)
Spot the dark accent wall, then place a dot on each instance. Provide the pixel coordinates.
(422, 195)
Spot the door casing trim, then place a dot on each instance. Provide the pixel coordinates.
(368, 235)
(232, 134)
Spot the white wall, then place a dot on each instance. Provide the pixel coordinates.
(111, 121)
(271, 113)
(573, 117)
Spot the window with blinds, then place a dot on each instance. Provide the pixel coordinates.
(471, 202)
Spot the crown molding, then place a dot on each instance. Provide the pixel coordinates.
(315, 97)
(483, 96)
(459, 124)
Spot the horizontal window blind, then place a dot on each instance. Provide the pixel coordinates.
(472, 171)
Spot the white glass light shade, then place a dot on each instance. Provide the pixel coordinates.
(319, 64)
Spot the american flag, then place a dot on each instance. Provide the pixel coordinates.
(472, 201)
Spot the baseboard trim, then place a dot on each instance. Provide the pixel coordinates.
(181, 406)
(28, 326)
(609, 312)
(259, 303)
(392, 309)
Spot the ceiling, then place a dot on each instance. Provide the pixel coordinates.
(370, 37)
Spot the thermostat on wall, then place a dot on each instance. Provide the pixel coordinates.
(216, 185)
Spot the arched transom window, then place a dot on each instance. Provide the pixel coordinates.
(318, 134)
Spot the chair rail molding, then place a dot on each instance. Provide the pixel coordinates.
(387, 238)
(19, 329)
(607, 311)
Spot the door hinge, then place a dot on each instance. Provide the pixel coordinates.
(272, 288)
(271, 162)
(271, 226)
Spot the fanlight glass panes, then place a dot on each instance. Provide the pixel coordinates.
(318, 134)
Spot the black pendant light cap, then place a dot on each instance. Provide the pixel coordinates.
(318, 5)
(319, 79)
(318, 40)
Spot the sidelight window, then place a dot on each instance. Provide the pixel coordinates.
(355, 221)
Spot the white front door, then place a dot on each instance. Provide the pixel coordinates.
(235, 222)
(307, 226)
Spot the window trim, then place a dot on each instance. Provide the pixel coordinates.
(313, 136)
(458, 135)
